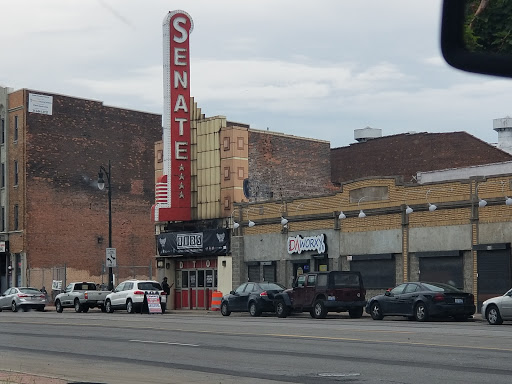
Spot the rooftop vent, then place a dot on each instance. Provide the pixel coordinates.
(365, 134)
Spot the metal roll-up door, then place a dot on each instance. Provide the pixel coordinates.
(254, 273)
(494, 275)
(269, 273)
(446, 270)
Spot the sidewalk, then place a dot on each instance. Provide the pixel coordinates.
(13, 377)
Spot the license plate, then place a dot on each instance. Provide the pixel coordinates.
(459, 301)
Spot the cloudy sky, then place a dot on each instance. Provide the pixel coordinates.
(314, 69)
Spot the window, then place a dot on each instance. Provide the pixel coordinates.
(3, 175)
(411, 288)
(398, 290)
(311, 280)
(227, 203)
(15, 128)
(159, 156)
(240, 173)
(3, 220)
(227, 173)
(249, 287)
(184, 279)
(241, 288)
(301, 280)
(15, 172)
(3, 132)
(240, 143)
(16, 223)
(225, 143)
(322, 280)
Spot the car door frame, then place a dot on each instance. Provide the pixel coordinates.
(390, 302)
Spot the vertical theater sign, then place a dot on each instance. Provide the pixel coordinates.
(173, 188)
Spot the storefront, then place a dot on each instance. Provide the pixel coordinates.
(194, 276)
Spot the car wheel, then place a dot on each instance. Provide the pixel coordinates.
(129, 306)
(355, 313)
(14, 307)
(281, 309)
(493, 315)
(40, 308)
(421, 312)
(376, 311)
(78, 307)
(108, 307)
(320, 310)
(58, 306)
(103, 309)
(253, 309)
(224, 309)
(312, 313)
(85, 309)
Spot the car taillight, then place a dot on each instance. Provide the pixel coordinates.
(138, 292)
(264, 294)
(42, 296)
(438, 297)
(22, 295)
(86, 295)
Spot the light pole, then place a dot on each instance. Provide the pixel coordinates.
(101, 186)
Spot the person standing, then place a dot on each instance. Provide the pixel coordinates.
(165, 286)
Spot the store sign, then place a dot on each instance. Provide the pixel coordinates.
(42, 104)
(173, 190)
(207, 242)
(299, 244)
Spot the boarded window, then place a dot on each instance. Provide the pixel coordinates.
(226, 143)
(240, 143)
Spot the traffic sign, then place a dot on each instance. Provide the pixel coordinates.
(111, 257)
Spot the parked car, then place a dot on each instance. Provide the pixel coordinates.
(497, 309)
(129, 295)
(323, 292)
(422, 300)
(24, 298)
(81, 296)
(254, 298)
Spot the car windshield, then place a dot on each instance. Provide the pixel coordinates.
(439, 287)
(85, 287)
(29, 291)
(149, 285)
(271, 287)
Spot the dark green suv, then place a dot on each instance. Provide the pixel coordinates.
(323, 292)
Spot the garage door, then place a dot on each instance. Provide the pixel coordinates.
(494, 275)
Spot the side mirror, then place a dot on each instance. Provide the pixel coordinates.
(475, 36)
(387, 293)
(232, 292)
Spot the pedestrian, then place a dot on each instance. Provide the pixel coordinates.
(165, 286)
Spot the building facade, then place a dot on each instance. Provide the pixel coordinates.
(55, 218)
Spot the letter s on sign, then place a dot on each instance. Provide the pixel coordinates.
(176, 23)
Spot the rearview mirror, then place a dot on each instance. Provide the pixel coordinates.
(475, 36)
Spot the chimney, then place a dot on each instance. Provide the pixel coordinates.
(504, 128)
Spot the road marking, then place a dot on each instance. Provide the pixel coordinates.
(164, 342)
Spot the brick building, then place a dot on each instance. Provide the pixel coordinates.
(406, 154)
(232, 163)
(54, 218)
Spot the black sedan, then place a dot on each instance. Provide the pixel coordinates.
(254, 298)
(421, 300)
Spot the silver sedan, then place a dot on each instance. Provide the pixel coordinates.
(497, 309)
(24, 298)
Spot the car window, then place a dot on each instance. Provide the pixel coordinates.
(311, 280)
(439, 287)
(127, 286)
(398, 290)
(249, 287)
(411, 288)
(346, 280)
(271, 287)
(29, 291)
(120, 287)
(322, 280)
(149, 286)
(301, 280)
(240, 289)
(69, 287)
(7, 292)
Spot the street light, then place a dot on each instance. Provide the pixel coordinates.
(101, 186)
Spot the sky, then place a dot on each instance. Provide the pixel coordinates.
(313, 69)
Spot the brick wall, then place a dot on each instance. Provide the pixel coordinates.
(66, 215)
(283, 166)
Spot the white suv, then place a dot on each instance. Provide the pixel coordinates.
(129, 295)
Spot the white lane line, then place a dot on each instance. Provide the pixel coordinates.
(163, 342)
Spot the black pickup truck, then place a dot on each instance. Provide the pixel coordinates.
(323, 292)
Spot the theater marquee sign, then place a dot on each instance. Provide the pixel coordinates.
(173, 189)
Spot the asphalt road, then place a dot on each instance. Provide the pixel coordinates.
(204, 347)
